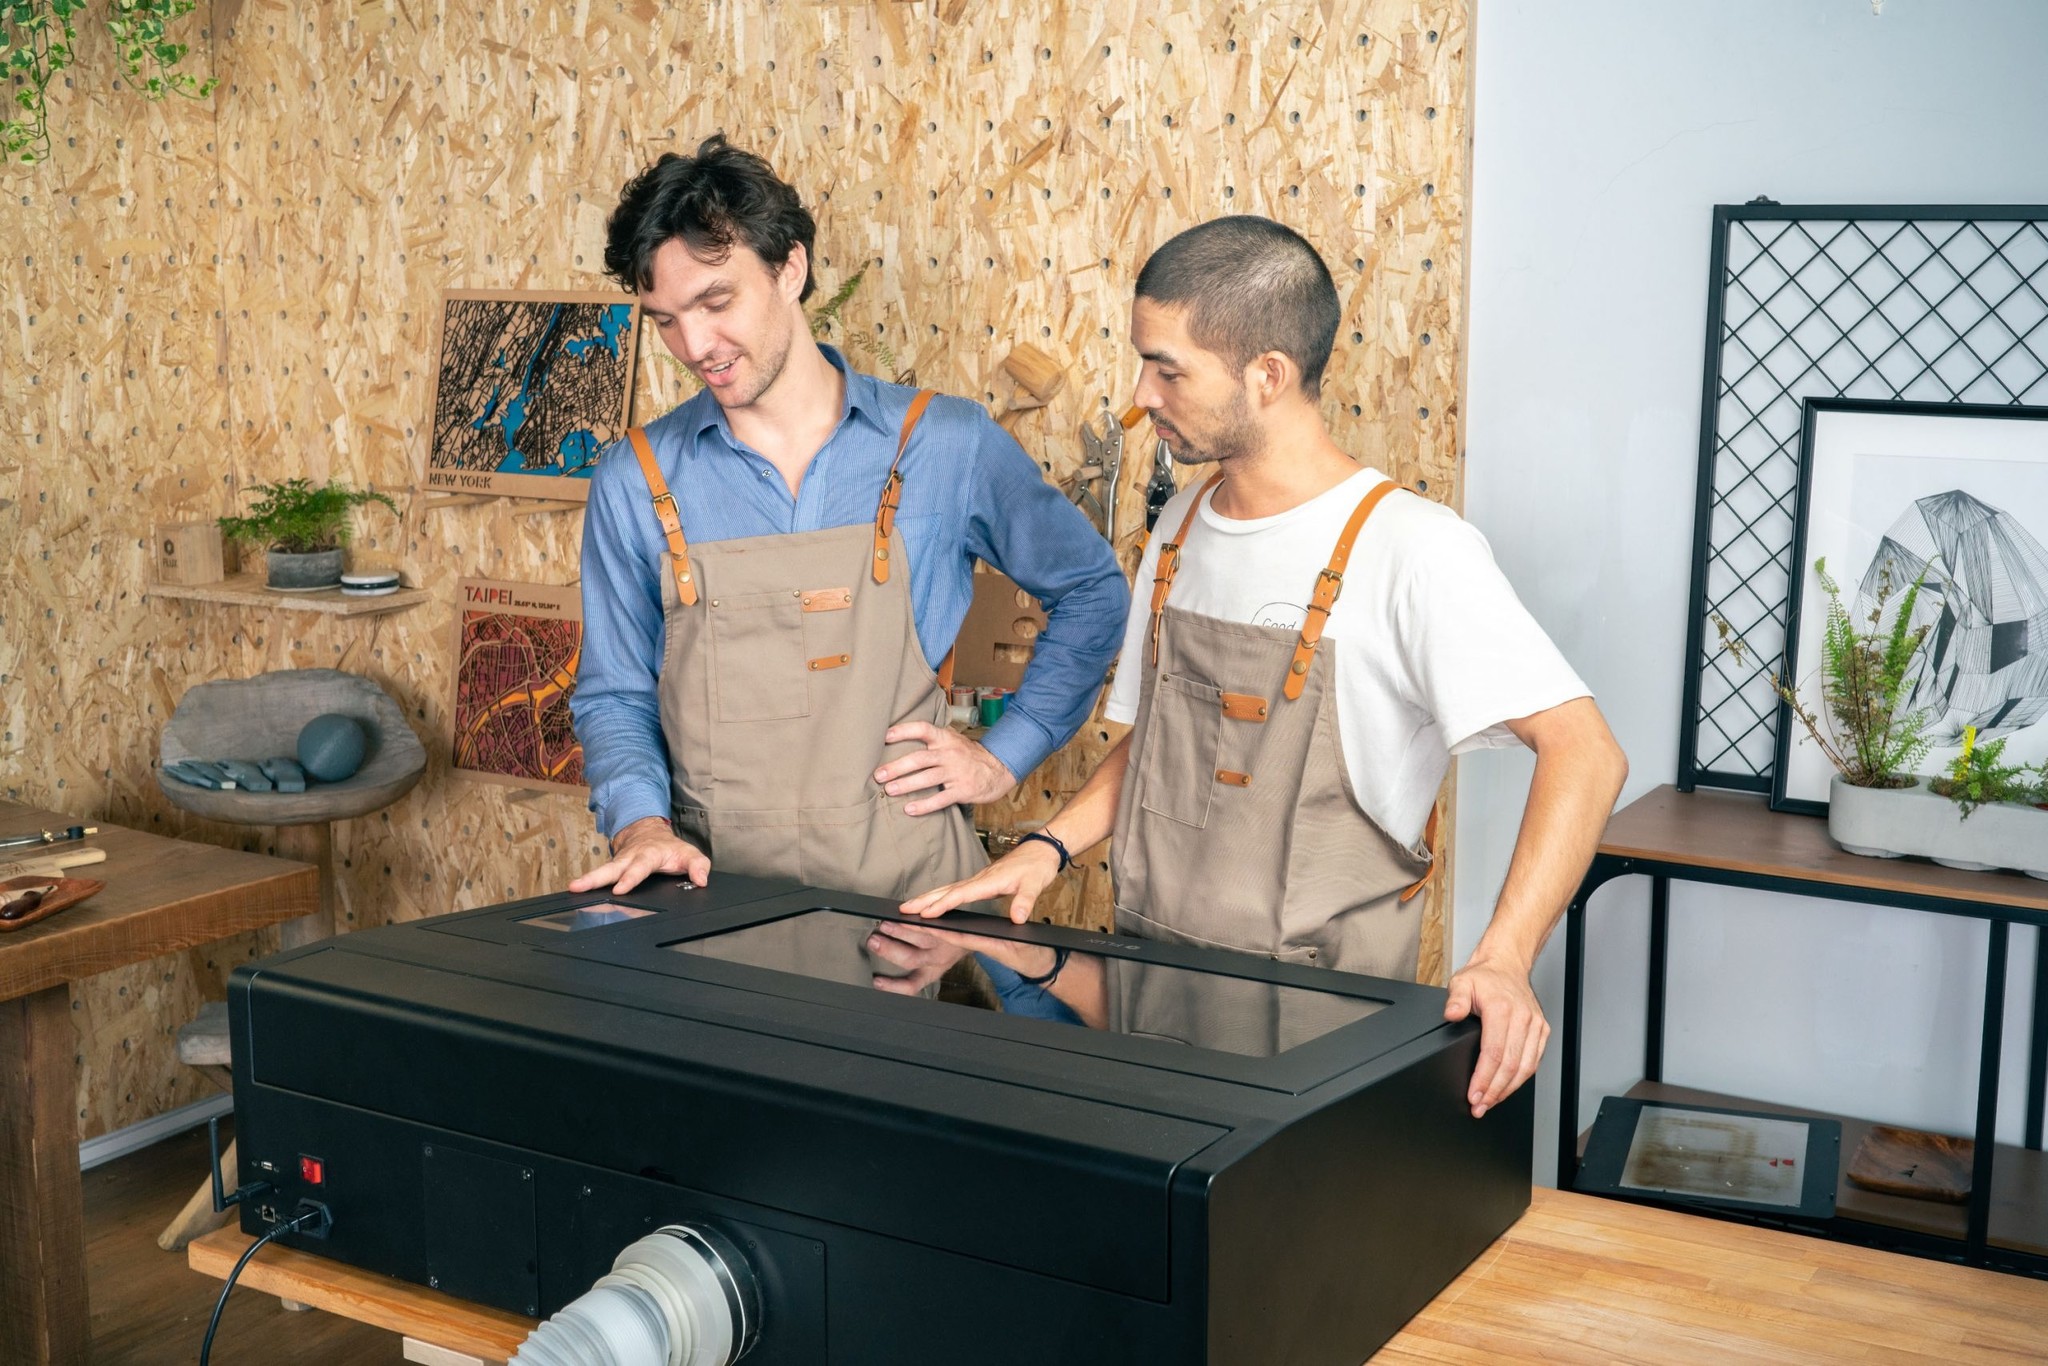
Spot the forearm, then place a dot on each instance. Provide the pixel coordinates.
(1570, 797)
(1090, 816)
(624, 760)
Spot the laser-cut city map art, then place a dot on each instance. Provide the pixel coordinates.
(530, 390)
(517, 648)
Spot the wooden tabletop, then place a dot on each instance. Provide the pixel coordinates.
(1578, 1279)
(1738, 831)
(161, 895)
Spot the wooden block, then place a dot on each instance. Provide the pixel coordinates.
(409, 1310)
(427, 1354)
(190, 552)
(1038, 374)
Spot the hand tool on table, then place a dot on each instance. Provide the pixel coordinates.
(76, 832)
(52, 865)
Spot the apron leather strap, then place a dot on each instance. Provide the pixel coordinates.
(1169, 561)
(671, 520)
(1429, 843)
(1329, 582)
(892, 488)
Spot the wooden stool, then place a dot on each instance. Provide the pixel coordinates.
(256, 718)
(203, 1044)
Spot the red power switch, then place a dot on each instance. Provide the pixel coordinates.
(312, 1170)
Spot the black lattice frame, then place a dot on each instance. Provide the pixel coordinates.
(1937, 303)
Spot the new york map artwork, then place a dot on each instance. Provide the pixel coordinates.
(530, 390)
(517, 648)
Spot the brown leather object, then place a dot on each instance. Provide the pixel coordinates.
(1919, 1166)
(25, 900)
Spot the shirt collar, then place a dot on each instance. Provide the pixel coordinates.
(863, 400)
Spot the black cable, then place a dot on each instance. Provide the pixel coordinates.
(311, 1215)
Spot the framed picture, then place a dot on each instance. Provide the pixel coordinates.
(1953, 497)
(529, 390)
(517, 646)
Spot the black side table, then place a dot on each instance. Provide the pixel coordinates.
(1735, 840)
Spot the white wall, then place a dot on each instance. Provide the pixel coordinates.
(1605, 131)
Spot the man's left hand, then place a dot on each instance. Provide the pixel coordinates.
(962, 771)
(1512, 1030)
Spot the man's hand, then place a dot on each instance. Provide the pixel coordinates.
(1021, 875)
(641, 850)
(961, 769)
(1512, 1030)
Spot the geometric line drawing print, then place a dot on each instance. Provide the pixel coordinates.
(517, 648)
(1930, 303)
(529, 391)
(1984, 602)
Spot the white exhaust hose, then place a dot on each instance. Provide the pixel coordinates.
(681, 1296)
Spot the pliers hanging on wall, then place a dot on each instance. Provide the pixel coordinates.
(1095, 483)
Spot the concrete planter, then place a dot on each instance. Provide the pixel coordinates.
(1889, 822)
(290, 573)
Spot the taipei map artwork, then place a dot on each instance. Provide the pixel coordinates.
(516, 655)
(531, 390)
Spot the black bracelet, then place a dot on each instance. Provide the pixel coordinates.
(1054, 840)
(1059, 960)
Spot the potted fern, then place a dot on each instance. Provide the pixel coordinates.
(303, 527)
(1877, 803)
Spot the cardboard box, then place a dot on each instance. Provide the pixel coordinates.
(191, 552)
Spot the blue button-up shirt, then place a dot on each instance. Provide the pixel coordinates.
(969, 491)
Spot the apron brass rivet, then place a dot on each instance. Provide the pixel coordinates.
(881, 554)
(1301, 666)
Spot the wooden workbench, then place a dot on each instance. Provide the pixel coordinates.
(1576, 1280)
(161, 895)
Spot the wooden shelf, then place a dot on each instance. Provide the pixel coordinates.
(1738, 833)
(247, 590)
(2019, 1179)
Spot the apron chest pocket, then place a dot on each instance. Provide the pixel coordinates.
(1178, 769)
(757, 651)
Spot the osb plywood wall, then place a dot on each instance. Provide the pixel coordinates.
(202, 295)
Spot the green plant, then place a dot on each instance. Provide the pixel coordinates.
(1976, 776)
(300, 516)
(1870, 737)
(38, 41)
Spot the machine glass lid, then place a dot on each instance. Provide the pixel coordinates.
(937, 962)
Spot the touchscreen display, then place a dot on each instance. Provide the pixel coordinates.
(586, 917)
(936, 961)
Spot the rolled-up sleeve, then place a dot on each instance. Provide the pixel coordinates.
(617, 715)
(1027, 529)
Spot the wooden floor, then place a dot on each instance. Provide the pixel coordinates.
(150, 1309)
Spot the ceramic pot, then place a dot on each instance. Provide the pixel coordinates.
(292, 573)
(1886, 822)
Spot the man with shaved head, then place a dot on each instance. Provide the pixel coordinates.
(1309, 647)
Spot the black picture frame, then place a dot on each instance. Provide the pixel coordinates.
(1782, 776)
(1826, 301)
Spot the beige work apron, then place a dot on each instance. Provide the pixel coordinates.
(1238, 827)
(785, 658)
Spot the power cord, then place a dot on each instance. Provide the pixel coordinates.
(310, 1214)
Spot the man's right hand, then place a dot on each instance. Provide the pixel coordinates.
(1021, 875)
(641, 850)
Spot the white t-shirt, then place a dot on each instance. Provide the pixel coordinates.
(1433, 650)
